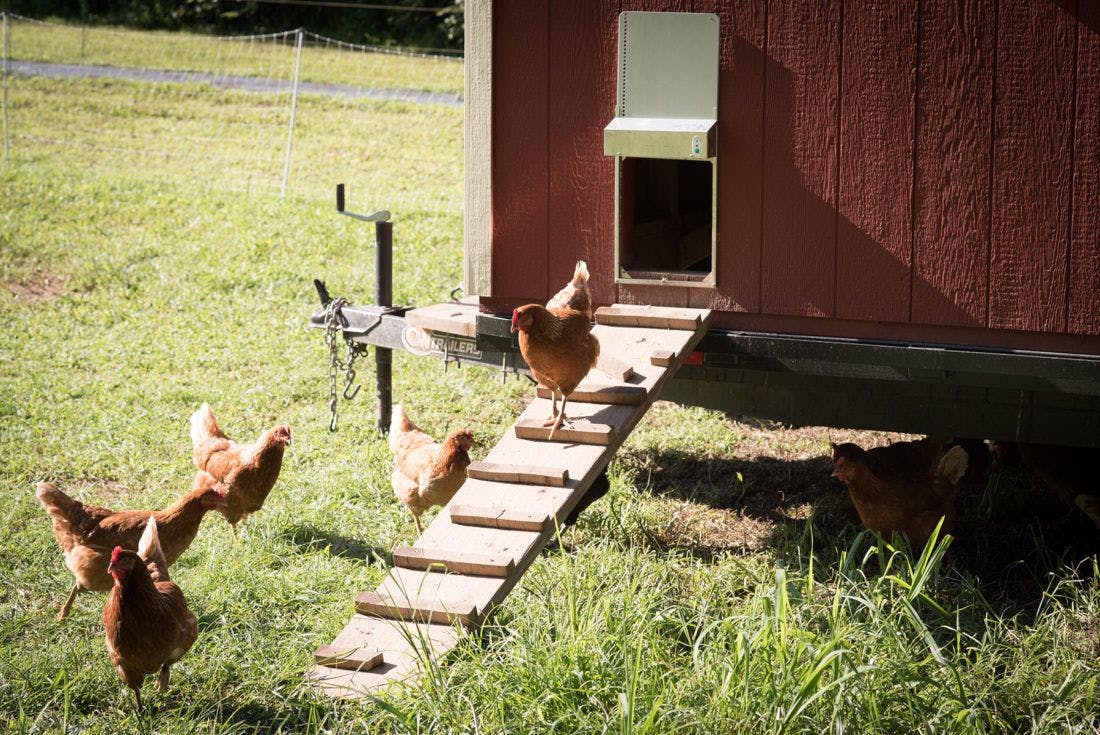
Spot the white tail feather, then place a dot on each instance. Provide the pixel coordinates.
(953, 464)
(150, 540)
(580, 273)
(150, 551)
(203, 425)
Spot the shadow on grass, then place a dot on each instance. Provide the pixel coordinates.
(308, 538)
(1012, 535)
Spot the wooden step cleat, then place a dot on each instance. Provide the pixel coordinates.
(614, 368)
(354, 659)
(372, 603)
(520, 474)
(661, 358)
(513, 520)
(455, 562)
(619, 395)
(653, 317)
(581, 432)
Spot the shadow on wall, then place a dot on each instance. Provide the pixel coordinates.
(812, 260)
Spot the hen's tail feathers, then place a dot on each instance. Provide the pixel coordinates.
(400, 423)
(953, 464)
(149, 549)
(204, 426)
(580, 274)
(57, 504)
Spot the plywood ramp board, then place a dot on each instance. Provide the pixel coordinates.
(461, 597)
(470, 597)
(656, 317)
(403, 647)
(456, 560)
(622, 393)
(527, 474)
(353, 658)
(580, 432)
(484, 516)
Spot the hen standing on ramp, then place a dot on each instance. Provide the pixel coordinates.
(560, 349)
(248, 472)
(425, 472)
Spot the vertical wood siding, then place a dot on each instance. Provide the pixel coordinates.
(802, 85)
(581, 192)
(520, 88)
(1032, 144)
(874, 225)
(741, 130)
(921, 165)
(951, 181)
(1084, 255)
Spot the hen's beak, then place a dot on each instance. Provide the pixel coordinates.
(513, 330)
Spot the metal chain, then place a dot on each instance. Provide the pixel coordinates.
(334, 324)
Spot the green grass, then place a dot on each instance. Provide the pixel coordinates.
(274, 58)
(721, 586)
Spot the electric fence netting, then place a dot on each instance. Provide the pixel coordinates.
(291, 112)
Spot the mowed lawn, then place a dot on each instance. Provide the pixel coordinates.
(723, 585)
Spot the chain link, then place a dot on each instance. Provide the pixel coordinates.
(334, 324)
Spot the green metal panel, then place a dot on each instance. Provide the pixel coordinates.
(668, 65)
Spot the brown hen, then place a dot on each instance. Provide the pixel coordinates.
(425, 472)
(904, 488)
(146, 621)
(248, 471)
(560, 349)
(87, 533)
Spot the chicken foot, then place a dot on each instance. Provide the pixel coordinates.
(560, 420)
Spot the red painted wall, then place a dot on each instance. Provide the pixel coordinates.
(924, 170)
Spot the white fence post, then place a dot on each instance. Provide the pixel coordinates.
(7, 72)
(293, 109)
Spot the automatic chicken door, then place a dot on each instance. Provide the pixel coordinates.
(664, 140)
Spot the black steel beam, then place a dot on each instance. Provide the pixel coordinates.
(959, 390)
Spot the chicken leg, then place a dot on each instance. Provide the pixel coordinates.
(68, 603)
(554, 391)
(553, 408)
(561, 419)
(137, 697)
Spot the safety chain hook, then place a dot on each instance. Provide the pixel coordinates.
(334, 324)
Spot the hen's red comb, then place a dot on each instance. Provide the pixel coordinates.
(116, 554)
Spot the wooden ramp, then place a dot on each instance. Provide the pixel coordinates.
(478, 546)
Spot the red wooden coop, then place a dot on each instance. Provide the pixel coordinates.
(891, 209)
(896, 218)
